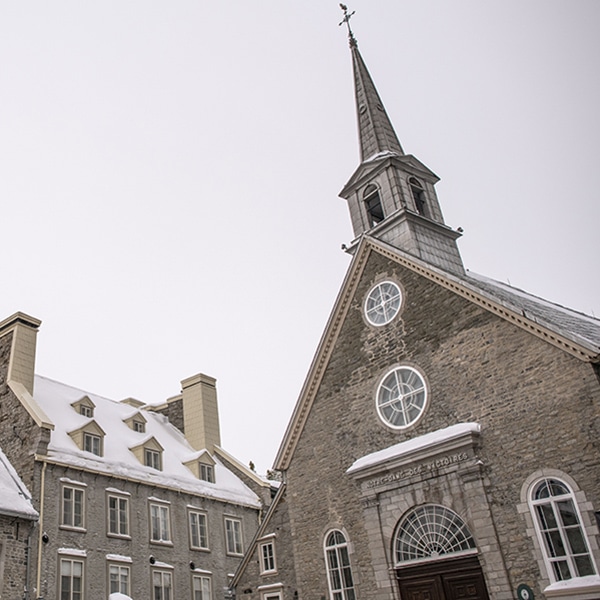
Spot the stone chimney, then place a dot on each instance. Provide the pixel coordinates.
(201, 412)
(21, 366)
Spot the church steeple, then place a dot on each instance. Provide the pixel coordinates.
(391, 195)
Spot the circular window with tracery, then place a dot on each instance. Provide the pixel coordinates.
(401, 397)
(383, 303)
(432, 531)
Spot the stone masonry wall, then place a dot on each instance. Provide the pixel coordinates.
(537, 406)
(14, 535)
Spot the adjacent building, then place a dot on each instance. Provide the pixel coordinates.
(128, 499)
(446, 442)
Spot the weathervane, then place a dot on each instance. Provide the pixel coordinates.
(346, 19)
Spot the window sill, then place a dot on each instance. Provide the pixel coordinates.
(119, 536)
(71, 528)
(162, 542)
(578, 588)
(199, 549)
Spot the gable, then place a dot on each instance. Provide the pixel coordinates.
(443, 307)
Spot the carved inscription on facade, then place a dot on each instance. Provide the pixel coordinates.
(421, 469)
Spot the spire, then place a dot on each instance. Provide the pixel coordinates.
(375, 129)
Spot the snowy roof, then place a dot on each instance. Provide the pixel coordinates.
(15, 499)
(433, 438)
(118, 459)
(570, 323)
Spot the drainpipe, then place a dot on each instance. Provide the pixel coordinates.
(41, 531)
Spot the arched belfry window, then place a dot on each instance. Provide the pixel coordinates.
(559, 528)
(339, 572)
(418, 194)
(432, 531)
(373, 205)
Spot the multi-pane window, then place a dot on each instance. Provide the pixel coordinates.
(72, 506)
(207, 473)
(86, 411)
(118, 579)
(562, 537)
(71, 579)
(198, 530)
(139, 426)
(152, 459)
(162, 585)
(339, 572)
(92, 443)
(118, 515)
(233, 535)
(159, 523)
(201, 587)
(267, 557)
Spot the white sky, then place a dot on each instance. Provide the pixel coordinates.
(169, 175)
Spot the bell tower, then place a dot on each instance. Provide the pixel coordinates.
(391, 195)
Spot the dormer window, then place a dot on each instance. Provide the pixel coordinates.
(137, 422)
(207, 473)
(418, 194)
(92, 443)
(85, 407)
(202, 465)
(149, 453)
(89, 438)
(373, 205)
(152, 459)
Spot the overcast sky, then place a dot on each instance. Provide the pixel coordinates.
(169, 175)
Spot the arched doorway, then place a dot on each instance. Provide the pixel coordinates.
(436, 557)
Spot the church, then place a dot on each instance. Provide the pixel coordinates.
(446, 441)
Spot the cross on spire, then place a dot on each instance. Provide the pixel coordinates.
(346, 19)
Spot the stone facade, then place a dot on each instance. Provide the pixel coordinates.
(15, 536)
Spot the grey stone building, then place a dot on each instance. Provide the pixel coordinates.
(18, 519)
(129, 502)
(446, 442)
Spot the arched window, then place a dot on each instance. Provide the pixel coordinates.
(558, 526)
(418, 194)
(432, 531)
(339, 572)
(373, 203)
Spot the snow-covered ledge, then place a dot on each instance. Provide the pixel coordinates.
(577, 588)
(447, 442)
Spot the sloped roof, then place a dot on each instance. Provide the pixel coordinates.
(569, 330)
(15, 499)
(56, 398)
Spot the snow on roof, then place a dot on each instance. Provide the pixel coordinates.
(118, 459)
(15, 499)
(423, 441)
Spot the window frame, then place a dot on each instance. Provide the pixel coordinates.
(236, 538)
(119, 498)
(207, 472)
(371, 198)
(268, 564)
(384, 301)
(569, 555)
(162, 573)
(380, 406)
(201, 516)
(80, 595)
(120, 566)
(163, 517)
(339, 550)
(202, 577)
(93, 438)
(155, 457)
(71, 523)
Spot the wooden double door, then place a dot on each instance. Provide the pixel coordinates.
(451, 579)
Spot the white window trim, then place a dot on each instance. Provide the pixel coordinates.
(347, 544)
(267, 542)
(120, 565)
(118, 496)
(272, 591)
(167, 508)
(587, 588)
(66, 556)
(74, 488)
(201, 513)
(228, 551)
(200, 575)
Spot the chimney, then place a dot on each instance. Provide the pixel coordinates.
(21, 365)
(201, 412)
